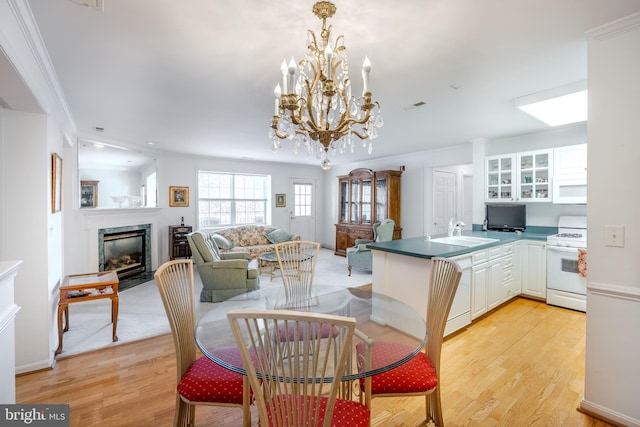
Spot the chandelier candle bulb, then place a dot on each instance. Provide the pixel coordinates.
(366, 69)
(292, 76)
(328, 53)
(278, 93)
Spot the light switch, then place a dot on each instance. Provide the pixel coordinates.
(614, 235)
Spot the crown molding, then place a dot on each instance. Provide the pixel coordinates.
(615, 28)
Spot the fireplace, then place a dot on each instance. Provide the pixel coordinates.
(125, 250)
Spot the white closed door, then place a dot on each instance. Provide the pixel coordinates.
(302, 217)
(444, 200)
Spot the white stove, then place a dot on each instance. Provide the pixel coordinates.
(572, 232)
(566, 287)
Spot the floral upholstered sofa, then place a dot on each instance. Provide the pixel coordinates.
(253, 239)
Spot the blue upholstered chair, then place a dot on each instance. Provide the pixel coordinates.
(360, 256)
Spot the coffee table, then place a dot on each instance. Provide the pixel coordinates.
(87, 287)
(268, 263)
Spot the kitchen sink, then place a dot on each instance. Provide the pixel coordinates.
(467, 241)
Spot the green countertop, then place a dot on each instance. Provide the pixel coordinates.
(419, 247)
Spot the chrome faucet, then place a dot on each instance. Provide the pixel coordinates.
(457, 229)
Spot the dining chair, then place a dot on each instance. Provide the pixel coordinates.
(298, 388)
(360, 256)
(297, 261)
(200, 381)
(419, 376)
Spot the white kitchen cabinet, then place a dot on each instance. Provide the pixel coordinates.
(515, 287)
(534, 268)
(495, 289)
(570, 174)
(519, 177)
(492, 277)
(479, 281)
(570, 160)
(500, 178)
(535, 170)
(460, 313)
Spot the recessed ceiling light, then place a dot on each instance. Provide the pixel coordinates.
(149, 142)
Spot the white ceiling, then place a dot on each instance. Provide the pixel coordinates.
(197, 76)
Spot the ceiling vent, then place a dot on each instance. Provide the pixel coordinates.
(416, 105)
(95, 4)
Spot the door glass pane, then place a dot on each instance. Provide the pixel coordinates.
(302, 199)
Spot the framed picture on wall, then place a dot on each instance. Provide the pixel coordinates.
(281, 200)
(178, 196)
(88, 194)
(56, 183)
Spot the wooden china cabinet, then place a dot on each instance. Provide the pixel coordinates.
(364, 198)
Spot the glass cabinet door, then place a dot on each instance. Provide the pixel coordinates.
(500, 180)
(381, 199)
(534, 182)
(367, 196)
(343, 190)
(355, 201)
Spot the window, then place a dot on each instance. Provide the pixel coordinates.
(226, 199)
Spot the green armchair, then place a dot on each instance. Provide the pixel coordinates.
(224, 275)
(360, 256)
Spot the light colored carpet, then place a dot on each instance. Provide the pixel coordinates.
(141, 314)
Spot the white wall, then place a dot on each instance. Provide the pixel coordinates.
(30, 232)
(612, 377)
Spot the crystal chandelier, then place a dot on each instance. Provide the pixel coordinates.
(314, 106)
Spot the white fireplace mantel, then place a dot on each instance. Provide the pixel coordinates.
(96, 219)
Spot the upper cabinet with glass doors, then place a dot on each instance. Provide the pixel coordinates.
(536, 169)
(519, 177)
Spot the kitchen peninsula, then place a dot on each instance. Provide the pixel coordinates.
(492, 271)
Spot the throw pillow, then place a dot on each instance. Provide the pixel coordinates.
(279, 236)
(222, 242)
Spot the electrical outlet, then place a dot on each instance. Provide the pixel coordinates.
(614, 235)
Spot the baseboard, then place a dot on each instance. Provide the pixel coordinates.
(606, 414)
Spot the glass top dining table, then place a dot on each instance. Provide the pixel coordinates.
(215, 339)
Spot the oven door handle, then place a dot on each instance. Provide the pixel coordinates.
(562, 249)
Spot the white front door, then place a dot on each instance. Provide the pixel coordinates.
(444, 200)
(302, 211)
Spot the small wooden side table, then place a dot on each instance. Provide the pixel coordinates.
(87, 287)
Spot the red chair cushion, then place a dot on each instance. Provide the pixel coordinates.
(346, 412)
(415, 376)
(206, 381)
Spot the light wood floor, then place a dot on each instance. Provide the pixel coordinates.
(522, 365)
